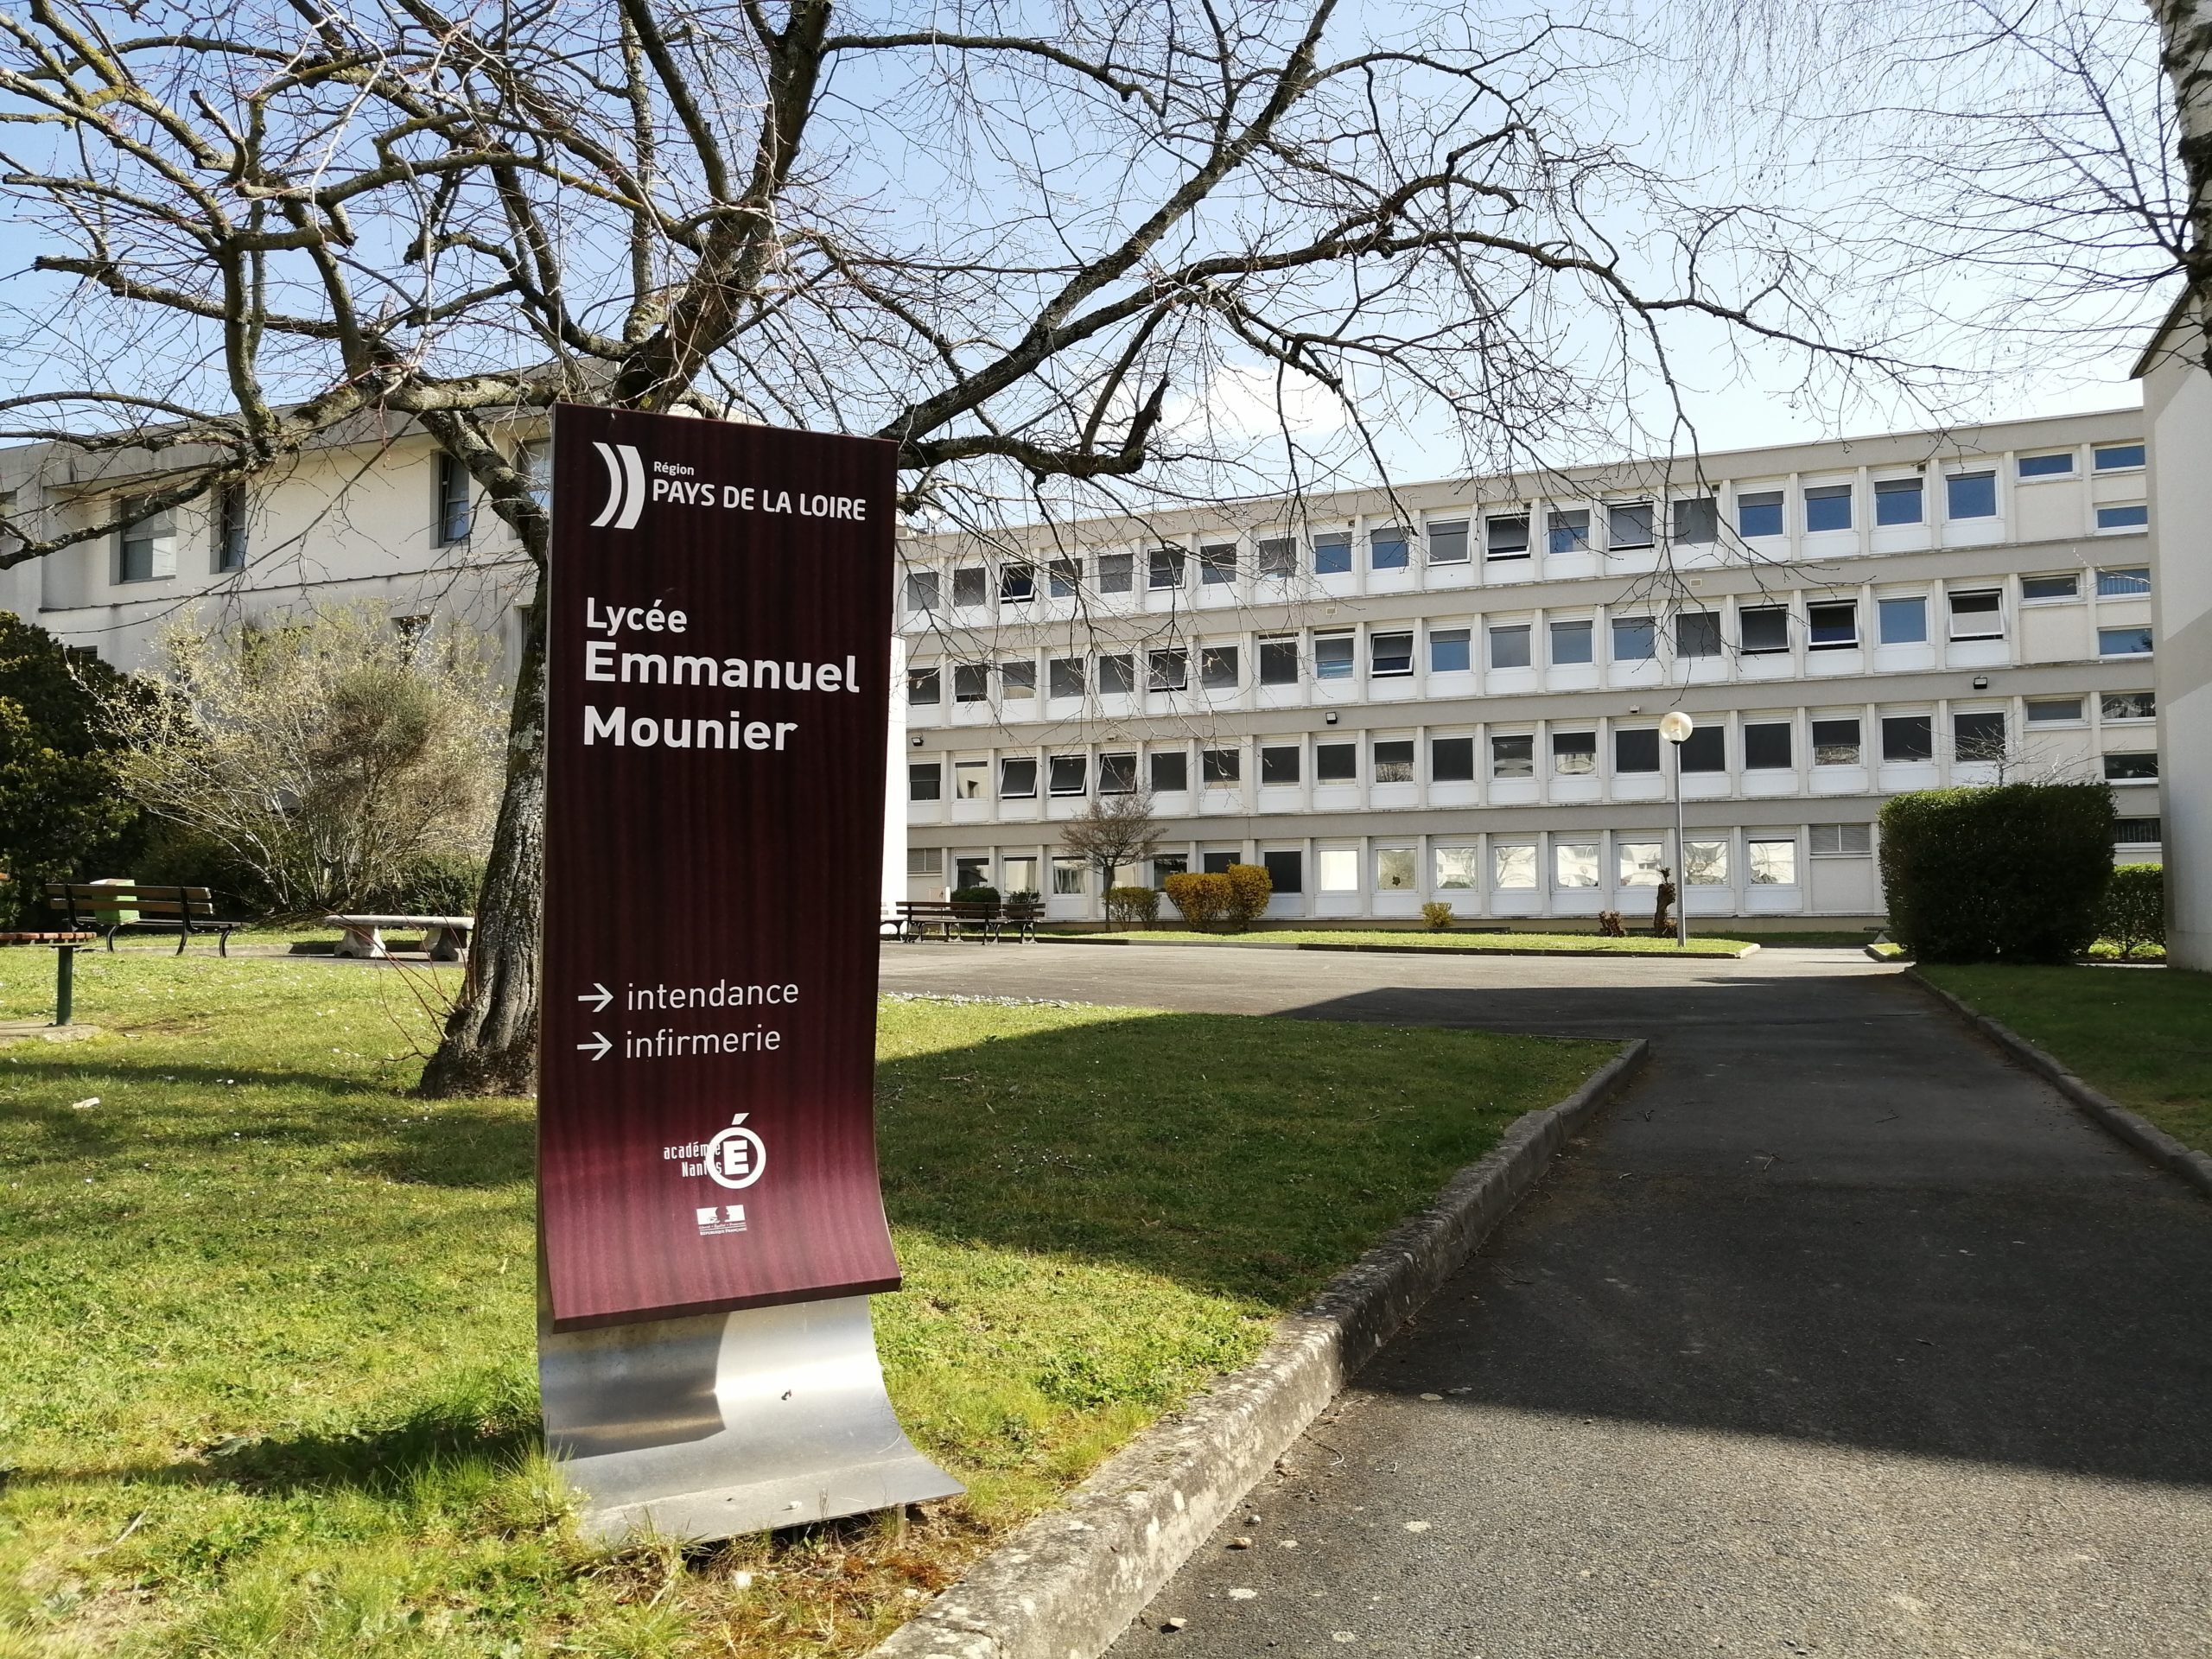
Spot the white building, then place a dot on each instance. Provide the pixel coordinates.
(1453, 692)
(380, 516)
(2177, 406)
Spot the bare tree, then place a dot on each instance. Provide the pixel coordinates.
(1113, 831)
(1031, 251)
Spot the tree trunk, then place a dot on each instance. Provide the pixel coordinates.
(2185, 54)
(490, 1046)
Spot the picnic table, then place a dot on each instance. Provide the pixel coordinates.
(108, 907)
(65, 965)
(445, 939)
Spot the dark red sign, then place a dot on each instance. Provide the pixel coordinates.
(719, 640)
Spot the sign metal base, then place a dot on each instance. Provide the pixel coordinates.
(724, 1424)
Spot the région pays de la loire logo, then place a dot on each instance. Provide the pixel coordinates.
(625, 486)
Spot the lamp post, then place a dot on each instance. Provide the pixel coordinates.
(1676, 726)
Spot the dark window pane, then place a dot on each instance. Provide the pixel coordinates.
(1765, 628)
(1117, 774)
(1697, 633)
(1164, 567)
(1168, 864)
(1017, 584)
(1286, 870)
(1628, 523)
(1066, 676)
(1216, 863)
(972, 682)
(922, 686)
(1336, 763)
(1169, 669)
(1390, 655)
(1507, 536)
(1706, 750)
(1697, 520)
(1766, 746)
(2126, 768)
(1332, 655)
(970, 585)
(1018, 680)
(1979, 736)
(1216, 564)
(1907, 737)
(1448, 651)
(1278, 662)
(1570, 643)
(1971, 495)
(1897, 501)
(1386, 549)
(1574, 754)
(1171, 771)
(1509, 646)
(1833, 624)
(1635, 750)
(1221, 765)
(2113, 456)
(1836, 742)
(1513, 757)
(1117, 673)
(2129, 705)
(1018, 779)
(1567, 529)
(1068, 773)
(1634, 639)
(1332, 554)
(1447, 542)
(1116, 573)
(1217, 668)
(2047, 466)
(1452, 759)
(925, 782)
(1279, 764)
(1062, 577)
(1278, 557)
(921, 590)
(1394, 761)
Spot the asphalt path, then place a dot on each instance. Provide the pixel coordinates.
(1838, 1334)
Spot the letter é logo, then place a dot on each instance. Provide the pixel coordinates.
(625, 486)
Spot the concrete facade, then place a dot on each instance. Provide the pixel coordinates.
(1452, 692)
(2177, 410)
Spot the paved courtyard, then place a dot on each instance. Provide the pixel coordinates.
(1836, 1335)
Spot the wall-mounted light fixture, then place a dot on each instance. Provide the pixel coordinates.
(1981, 682)
(1331, 716)
(917, 740)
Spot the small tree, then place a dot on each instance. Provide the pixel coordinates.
(326, 755)
(61, 809)
(1113, 831)
(2135, 907)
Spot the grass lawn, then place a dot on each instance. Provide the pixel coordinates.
(1397, 938)
(269, 1382)
(2142, 1036)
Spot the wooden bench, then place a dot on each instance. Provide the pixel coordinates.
(108, 907)
(445, 939)
(949, 918)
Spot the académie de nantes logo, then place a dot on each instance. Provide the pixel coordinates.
(625, 486)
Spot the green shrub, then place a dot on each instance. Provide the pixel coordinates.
(179, 856)
(974, 895)
(1132, 906)
(1437, 915)
(2135, 907)
(437, 883)
(2014, 873)
(1203, 899)
(1250, 886)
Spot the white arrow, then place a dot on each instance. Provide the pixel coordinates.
(598, 1003)
(603, 1045)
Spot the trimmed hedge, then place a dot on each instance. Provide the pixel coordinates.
(1132, 906)
(2135, 907)
(2015, 872)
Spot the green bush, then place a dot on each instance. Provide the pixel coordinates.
(1250, 886)
(2135, 907)
(178, 856)
(974, 895)
(1132, 906)
(437, 883)
(2014, 873)
(1203, 899)
(1437, 915)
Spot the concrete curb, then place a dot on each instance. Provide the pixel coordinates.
(1399, 950)
(2146, 1137)
(1066, 1585)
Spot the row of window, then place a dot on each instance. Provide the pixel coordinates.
(1628, 526)
(1286, 659)
(1762, 746)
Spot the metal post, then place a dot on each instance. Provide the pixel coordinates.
(65, 976)
(1681, 862)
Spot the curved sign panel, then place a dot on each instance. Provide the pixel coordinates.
(717, 699)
